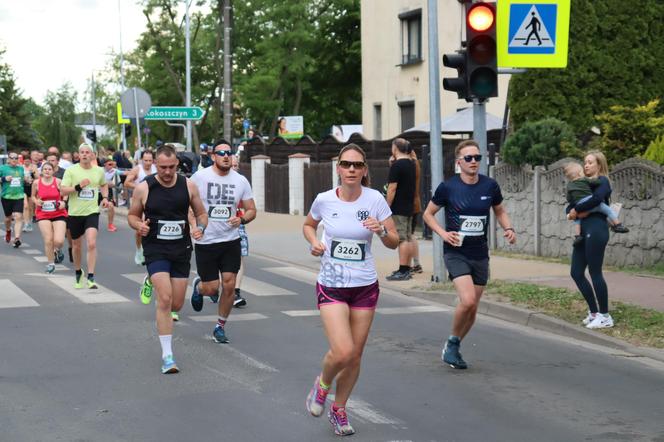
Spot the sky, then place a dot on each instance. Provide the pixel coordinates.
(50, 42)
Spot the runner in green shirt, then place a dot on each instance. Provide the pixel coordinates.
(83, 182)
(13, 196)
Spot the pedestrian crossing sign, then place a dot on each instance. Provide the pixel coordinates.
(533, 35)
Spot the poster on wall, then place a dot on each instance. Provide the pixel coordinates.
(290, 126)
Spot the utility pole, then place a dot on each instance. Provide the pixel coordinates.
(435, 133)
(188, 72)
(94, 112)
(122, 83)
(228, 72)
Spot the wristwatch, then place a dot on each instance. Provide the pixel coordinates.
(201, 227)
(383, 233)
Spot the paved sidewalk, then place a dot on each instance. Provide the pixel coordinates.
(280, 236)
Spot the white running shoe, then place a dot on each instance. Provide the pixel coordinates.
(589, 318)
(601, 321)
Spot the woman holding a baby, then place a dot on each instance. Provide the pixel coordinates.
(590, 242)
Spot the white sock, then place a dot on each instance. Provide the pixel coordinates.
(166, 349)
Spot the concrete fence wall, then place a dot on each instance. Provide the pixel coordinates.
(535, 200)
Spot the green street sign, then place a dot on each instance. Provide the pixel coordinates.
(174, 113)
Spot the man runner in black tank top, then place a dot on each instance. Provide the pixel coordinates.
(164, 200)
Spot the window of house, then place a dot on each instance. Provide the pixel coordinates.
(407, 110)
(378, 122)
(411, 36)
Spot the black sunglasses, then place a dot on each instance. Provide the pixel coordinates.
(469, 158)
(356, 164)
(224, 152)
(11, 157)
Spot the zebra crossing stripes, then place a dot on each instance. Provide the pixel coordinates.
(411, 309)
(295, 273)
(32, 252)
(260, 288)
(13, 297)
(234, 317)
(299, 313)
(102, 295)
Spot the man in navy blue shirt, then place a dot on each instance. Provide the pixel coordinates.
(468, 199)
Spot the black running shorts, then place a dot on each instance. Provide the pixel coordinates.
(458, 265)
(221, 257)
(77, 225)
(12, 206)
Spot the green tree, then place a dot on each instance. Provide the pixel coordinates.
(628, 130)
(57, 125)
(15, 116)
(615, 54)
(655, 151)
(300, 58)
(540, 143)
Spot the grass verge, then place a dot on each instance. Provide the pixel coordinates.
(655, 270)
(637, 325)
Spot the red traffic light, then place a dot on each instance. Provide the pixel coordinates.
(481, 17)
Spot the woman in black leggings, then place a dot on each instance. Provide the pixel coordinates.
(590, 252)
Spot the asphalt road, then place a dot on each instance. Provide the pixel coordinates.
(83, 366)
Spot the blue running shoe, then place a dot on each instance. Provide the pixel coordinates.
(59, 256)
(339, 420)
(168, 365)
(220, 335)
(196, 297)
(451, 355)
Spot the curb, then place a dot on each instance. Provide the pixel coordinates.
(540, 321)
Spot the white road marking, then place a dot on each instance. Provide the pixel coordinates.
(88, 296)
(14, 297)
(295, 273)
(249, 360)
(366, 412)
(32, 251)
(40, 258)
(296, 313)
(138, 279)
(411, 309)
(260, 288)
(234, 317)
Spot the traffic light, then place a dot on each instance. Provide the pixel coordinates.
(459, 84)
(481, 68)
(127, 129)
(92, 135)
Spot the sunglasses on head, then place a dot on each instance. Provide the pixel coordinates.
(222, 153)
(469, 158)
(356, 164)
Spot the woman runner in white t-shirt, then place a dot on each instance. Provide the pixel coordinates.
(347, 286)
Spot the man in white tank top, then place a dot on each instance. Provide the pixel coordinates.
(136, 176)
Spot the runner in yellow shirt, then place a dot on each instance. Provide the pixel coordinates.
(83, 182)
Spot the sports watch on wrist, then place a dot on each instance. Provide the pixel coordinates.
(383, 233)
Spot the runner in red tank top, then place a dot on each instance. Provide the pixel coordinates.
(51, 214)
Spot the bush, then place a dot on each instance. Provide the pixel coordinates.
(627, 130)
(655, 151)
(540, 143)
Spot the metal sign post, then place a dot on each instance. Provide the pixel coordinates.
(479, 133)
(435, 133)
(138, 122)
